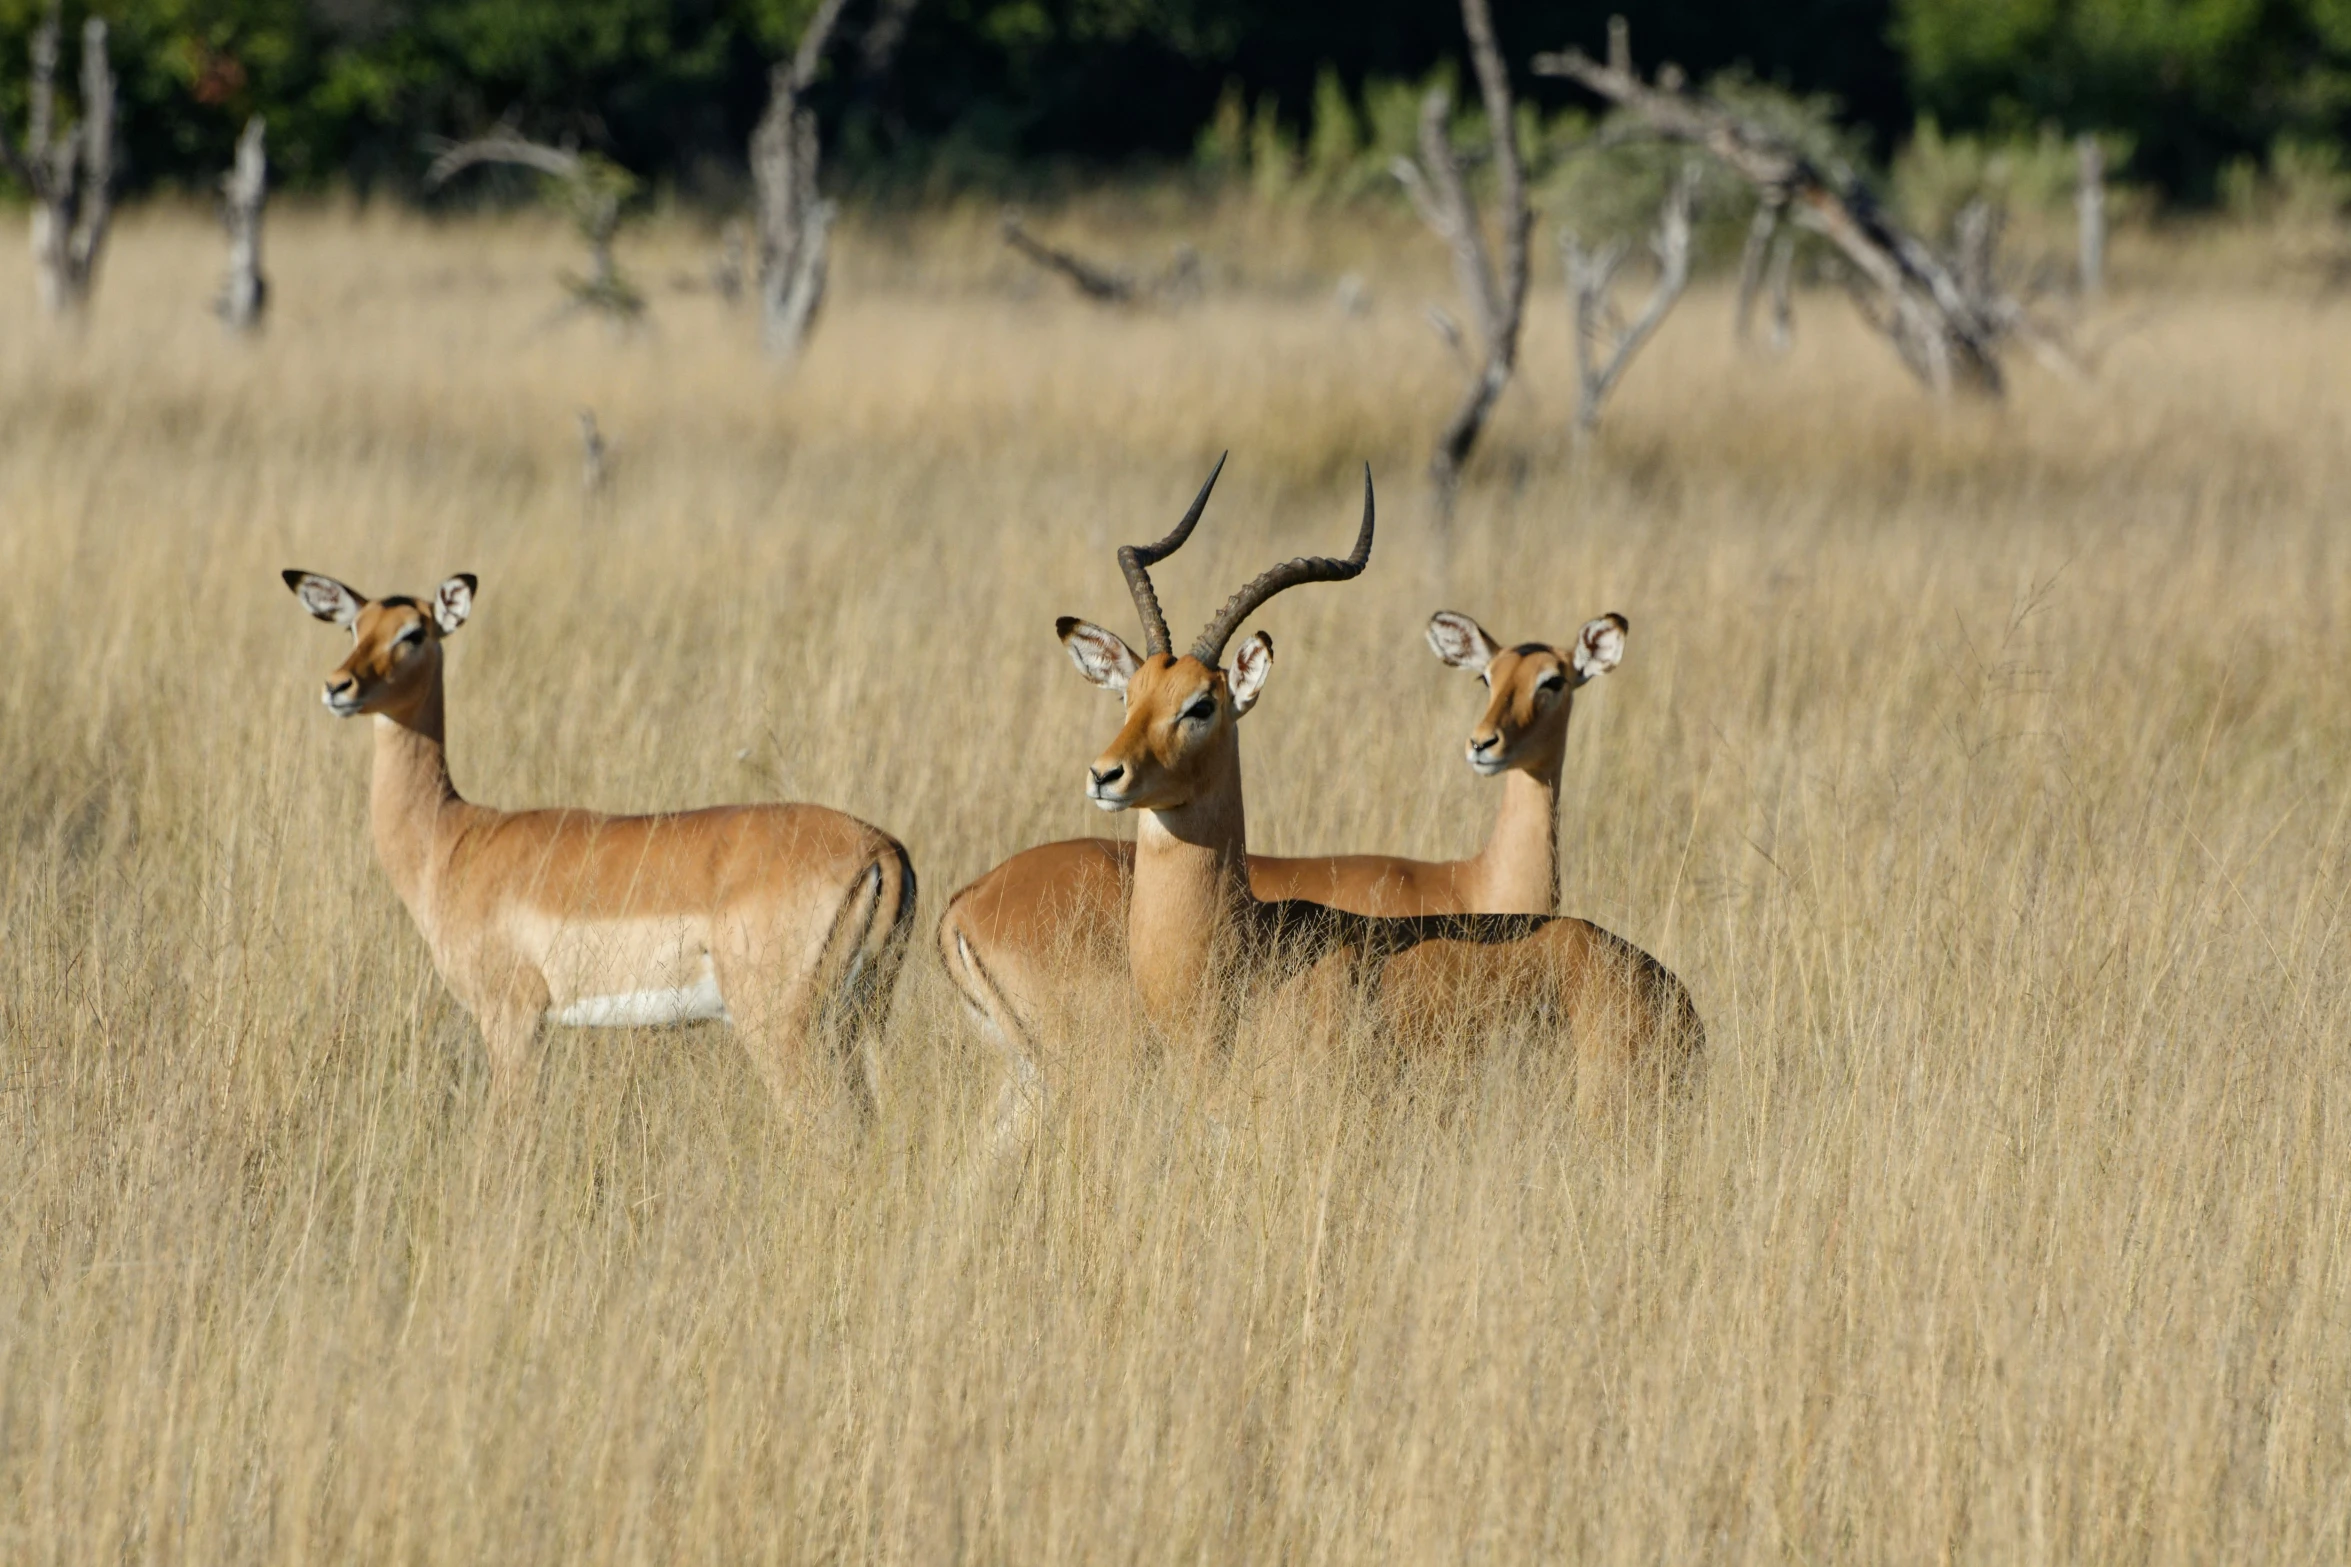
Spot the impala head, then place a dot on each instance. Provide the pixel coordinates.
(1529, 687)
(395, 642)
(1181, 711)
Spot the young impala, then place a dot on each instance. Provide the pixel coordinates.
(787, 920)
(1011, 940)
(1199, 942)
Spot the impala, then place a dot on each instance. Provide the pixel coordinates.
(788, 921)
(1200, 943)
(1012, 940)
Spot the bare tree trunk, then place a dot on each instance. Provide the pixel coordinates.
(1589, 277)
(70, 174)
(2090, 208)
(794, 220)
(1497, 299)
(245, 189)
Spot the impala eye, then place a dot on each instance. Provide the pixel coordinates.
(1200, 712)
(1552, 682)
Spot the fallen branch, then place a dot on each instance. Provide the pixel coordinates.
(1942, 333)
(1096, 283)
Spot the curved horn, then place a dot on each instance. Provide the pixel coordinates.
(1136, 560)
(1289, 574)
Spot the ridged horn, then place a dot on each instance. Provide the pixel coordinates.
(1289, 574)
(1136, 560)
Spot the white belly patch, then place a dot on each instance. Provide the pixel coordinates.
(693, 1003)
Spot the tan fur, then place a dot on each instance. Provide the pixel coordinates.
(799, 913)
(1198, 940)
(1013, 939)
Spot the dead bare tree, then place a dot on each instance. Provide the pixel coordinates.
(1497, 296)
(795, 221)
(244, 191)
(1945, 335)
(2090, 209)
(69, 171)
(1591, 276)
(593, 190)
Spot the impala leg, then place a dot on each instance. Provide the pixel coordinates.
(770, 998)
(511, 1032)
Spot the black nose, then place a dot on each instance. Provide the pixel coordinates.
(1484, 742)
(1105, 776)
(341, 685)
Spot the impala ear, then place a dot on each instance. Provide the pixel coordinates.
(326, 598)
(1101, 656)
(1461, 641)
(453, 601)
(1600, 646)
(1252, 662)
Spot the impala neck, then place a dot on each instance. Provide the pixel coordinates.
(1191, 894)
(1518, 869)
(411, 793)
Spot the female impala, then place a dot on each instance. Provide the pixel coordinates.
(1012, 939)
(1198, 941)
(787, 920)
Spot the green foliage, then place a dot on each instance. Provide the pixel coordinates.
(1936, 175)
(2305, 182)
(985, 88)
(2192, 83)
(1334, 148)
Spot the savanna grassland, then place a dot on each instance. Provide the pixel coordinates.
(1984, 771)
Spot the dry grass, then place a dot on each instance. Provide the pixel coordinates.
(1984, 772)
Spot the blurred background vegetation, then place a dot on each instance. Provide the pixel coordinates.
(2237, 103)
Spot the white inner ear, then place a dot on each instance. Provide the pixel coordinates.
(330, 600)
(452, 602)
(1599, 648)
(1251, 664)
(1101, 656)
(1461, 641)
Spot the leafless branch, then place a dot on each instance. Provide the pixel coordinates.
(1097, 283)
(1590, 276)
(1939, 331)
(593, 187)
(503, 145)
(1496, 295)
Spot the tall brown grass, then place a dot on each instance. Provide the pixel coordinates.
(1986, 773)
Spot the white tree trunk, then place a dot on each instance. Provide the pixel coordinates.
(246, 190)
